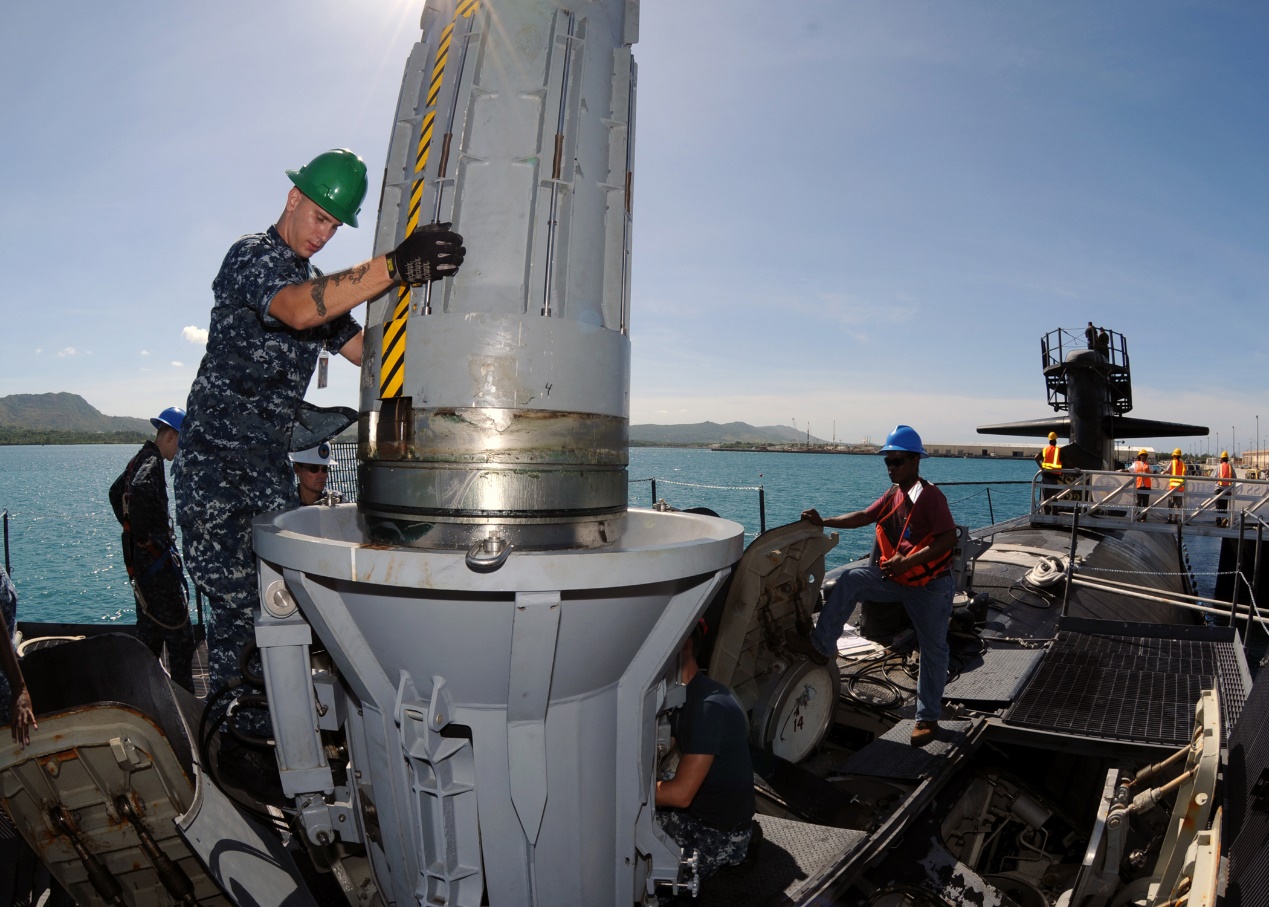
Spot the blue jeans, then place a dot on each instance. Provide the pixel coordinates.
(929, 608)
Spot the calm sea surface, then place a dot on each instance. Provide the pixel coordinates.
(64, 540)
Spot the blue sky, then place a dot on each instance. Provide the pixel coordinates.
(847, 214)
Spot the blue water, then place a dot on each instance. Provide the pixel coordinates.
(830, 483)
(67, 566)
(63, 536)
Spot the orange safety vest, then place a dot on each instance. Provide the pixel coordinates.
(922, 573)
(1052, 458)
(1142, 470)
(1176, 468)
(1224, 472)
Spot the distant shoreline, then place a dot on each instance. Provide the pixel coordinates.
(860, 452)
(31, 437)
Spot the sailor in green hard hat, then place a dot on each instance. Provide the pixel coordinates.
(274, 313)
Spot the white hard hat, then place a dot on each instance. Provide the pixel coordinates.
(315, 456)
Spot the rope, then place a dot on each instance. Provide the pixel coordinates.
(1046, 572)
(1085, 568)
(694, 485)
(971, 497)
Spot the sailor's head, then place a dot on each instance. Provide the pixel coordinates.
(1225, 455)
(690, 651)
(1052, 438)
(311, 469)
(1142, 455)
(1176, 454)
(328, 193)
(168, 424)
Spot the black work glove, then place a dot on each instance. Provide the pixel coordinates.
(429, 253)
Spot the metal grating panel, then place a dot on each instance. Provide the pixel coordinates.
(1129, 687)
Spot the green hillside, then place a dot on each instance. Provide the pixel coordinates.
(65, 419)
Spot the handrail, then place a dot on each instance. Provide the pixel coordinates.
(762, 494)
(1112, 495)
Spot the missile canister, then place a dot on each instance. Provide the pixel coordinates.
(495, 404)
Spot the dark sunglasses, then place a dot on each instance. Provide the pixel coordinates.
(892, 462)
(314, 467)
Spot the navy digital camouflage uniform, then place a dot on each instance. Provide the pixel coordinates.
(719, 823)
(139, 500)
(232, 464)
(9, 608)
(714, 848)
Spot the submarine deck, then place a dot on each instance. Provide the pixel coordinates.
(1098, 686)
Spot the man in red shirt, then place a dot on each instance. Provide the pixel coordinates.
(915, 533)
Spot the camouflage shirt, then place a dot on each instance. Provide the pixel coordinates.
(251, 381)
(8, 607)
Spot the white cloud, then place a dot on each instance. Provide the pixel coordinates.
(145, 352)
(69, 351)
(195, 334)
(38, 350)
(176, 364)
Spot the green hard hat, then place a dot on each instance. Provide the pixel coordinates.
(335, 181)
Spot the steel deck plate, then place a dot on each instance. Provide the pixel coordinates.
(792, 861)
(893, 756)
(995, 676)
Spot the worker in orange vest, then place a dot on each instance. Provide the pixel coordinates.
(1176, 484)
(1224, 482)
(1050, 460)
(1141, 466)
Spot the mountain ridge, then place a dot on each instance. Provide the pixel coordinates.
(49, 418)
(699, 434)
(63, 412)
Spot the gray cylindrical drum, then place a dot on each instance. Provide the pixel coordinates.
(497, 401)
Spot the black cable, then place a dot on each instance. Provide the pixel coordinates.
(205, 735)
(244, 665)
(1029, 590)
(249, 701)
(849, 692)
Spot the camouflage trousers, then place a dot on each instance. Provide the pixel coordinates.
(219, 556)
(716, 848)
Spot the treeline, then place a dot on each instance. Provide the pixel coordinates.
(10, 435)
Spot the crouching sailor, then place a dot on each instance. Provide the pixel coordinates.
(708, 805)
(915, 534)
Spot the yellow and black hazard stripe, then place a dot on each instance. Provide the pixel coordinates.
(392, 362)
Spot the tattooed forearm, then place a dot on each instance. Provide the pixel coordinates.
(319, 295)
(320, 284)
(352, 275)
